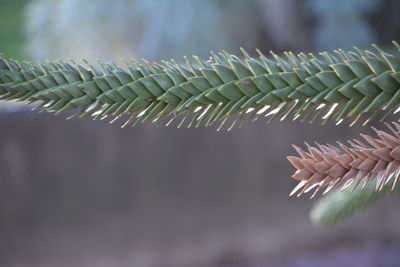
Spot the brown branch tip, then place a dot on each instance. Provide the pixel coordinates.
(358, 163)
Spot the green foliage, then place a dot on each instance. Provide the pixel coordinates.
(11, 21)
(331, 85)
(338, 206)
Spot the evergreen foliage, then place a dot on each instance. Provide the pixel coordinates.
(359, 163)
(306, 87)
(337, 206)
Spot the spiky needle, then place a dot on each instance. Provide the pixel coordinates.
(357, 164)
(225, 88)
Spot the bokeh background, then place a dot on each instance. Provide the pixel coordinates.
(86, 193)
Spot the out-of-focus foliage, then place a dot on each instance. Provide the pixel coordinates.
(338, 206)
(168, 29)
(11, 27)
(342, 21)
(143, 28)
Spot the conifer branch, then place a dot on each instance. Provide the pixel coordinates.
(357, 164)
(224, 88)
(337, 206)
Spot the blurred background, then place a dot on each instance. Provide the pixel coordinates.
(86, 193)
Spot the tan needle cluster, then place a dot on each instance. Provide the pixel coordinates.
(359, 163)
